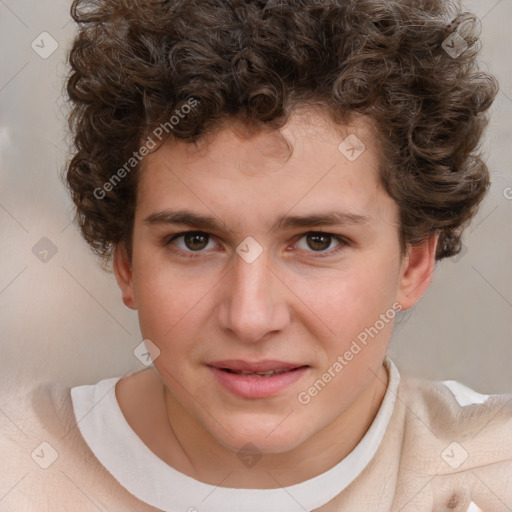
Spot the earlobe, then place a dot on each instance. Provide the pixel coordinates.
(124, 275)
(417, 271)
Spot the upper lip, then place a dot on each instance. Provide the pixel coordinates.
(255, 366)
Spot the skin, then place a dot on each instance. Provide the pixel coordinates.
(289, 304)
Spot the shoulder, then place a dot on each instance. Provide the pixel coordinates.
(28, 409)
(450, 408)
(458, 438)
(46, 463)
(28, 425)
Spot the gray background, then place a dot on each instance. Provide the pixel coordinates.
(64, 320)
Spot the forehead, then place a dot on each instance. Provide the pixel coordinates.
(310, 162)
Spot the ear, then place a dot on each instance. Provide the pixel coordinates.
(124, 275)
(417, 271)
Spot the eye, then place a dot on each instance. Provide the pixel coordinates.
(190, 242)
(320, 242)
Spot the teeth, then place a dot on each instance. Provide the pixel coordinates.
(259, 374)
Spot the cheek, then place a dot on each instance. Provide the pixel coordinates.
(347, 300)
(165, 301)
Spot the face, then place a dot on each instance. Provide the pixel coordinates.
(287, 259)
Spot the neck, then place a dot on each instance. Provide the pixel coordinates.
(197, 454)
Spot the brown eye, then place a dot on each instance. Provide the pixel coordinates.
(318, 241)
(196, 241)
(321, 243)
(191, 241)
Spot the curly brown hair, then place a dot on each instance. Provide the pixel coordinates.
(136, 64)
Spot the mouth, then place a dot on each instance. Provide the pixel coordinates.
(257, 379)
(264, 368)
(270, 373)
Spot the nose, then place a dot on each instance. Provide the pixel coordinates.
(254, 303)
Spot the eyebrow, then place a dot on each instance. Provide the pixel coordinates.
(200, 221)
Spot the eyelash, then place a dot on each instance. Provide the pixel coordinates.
(316, 254)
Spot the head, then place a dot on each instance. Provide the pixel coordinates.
(256, 115)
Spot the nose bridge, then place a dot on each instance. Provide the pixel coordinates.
(253, 307)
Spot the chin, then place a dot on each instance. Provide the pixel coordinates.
(261, 441)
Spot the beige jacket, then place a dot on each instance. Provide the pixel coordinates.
(439, 454)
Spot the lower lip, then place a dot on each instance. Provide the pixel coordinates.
(257, 387)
